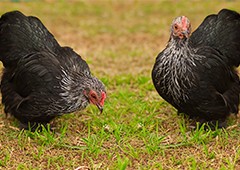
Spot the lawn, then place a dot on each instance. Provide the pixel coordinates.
(138, 129)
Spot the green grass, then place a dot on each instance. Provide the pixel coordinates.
(137, 130)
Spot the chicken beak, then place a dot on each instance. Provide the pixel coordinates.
(185, 33)
(100, 108)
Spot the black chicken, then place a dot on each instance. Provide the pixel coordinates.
(41, 79)
(196, 74)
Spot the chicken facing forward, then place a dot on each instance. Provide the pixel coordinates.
(196, 74)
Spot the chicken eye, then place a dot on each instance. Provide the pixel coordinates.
(94, 96)
(175, 27)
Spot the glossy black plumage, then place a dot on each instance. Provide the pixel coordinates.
(41, 79)
(197, 74)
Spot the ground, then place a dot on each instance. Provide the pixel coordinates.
(137, 130)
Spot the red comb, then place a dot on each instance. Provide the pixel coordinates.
(184, 22)
(103, 94)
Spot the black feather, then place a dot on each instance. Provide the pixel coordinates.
(41, 79)
(197, 75)
(221, 32)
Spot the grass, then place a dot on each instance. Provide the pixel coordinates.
(137, 130)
